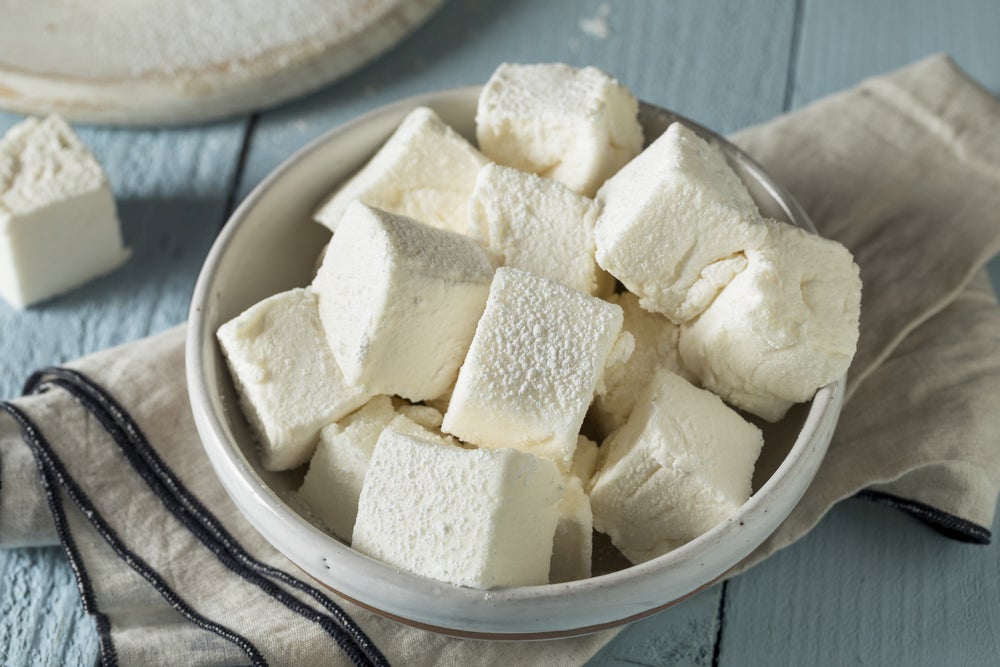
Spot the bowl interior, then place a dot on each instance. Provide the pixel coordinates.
(271, 245)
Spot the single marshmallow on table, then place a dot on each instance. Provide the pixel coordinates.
(654, 346)
(675, 223)
(784, 327)
(336, 473)
(289, 383)
(472, 517)
(57, 214)
(578, 126)
(536, 224)
(425, 171)
(530, 374)
(682, 463)
(399, 301)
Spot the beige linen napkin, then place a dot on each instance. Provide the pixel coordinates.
(904, 169)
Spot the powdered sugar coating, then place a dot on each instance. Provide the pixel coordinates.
(533, 365)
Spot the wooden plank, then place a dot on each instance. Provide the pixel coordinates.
(171, 187)
(723, 63)
(870, 586)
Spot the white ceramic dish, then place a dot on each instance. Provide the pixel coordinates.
(270, 245)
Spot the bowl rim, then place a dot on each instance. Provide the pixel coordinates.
(262, 506)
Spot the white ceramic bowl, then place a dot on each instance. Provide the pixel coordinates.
(270, 245)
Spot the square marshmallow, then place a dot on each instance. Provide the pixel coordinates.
(578, 126)
(400, 301)
(784, 327)
(289, 383)
(425, 171)
(654, 346)
(336, 473)
(675, 223)
(531, 371)
(535, 224)
(57, 214)
(471, 517)
(682, 463)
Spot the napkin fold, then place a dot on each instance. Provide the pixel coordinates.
(103, 457)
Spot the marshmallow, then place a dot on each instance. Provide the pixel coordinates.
(578, 126)
(336, 473)
(681, 464)
(573, 544)
(675, 224)
(425, 171)
(584, 459)
(289, 383)
(399, 301)
(530, 374)
(536, 224)
(58, 224)
(425, 415)
(472, 517)
(785, 326)
(654, 346)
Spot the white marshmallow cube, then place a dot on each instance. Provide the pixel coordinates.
(289, 383)
(784, 327)
(682, 463)
(531, 371)
(425, 171)
(675, 223)
(585, 459)
(471, 517)
(655, 341)
(578, 126)
(536, 224)
(332, 485)
(573, 545)
(400, 301)
(58, 223)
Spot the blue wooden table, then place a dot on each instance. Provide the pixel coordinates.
(867, 586)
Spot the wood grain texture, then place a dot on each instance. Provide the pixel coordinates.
(171, 187)
(868, 586)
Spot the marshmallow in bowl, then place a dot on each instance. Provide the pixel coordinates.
(578, 126)
(573, 544)
(425, 171)
(289, 384)
(654, 346)
(399, 301)
(472, 517)
(675, 223)
(539, 349)
(681, 464)
(784, 327)
(536, 224)
(332, 485)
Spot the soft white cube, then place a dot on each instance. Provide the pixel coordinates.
(682, 463)
(654, 346)
(58, 223)
(400, 301)
(289, 383)
(784, 327)
(675, 223)
(585, 459)
(573, 545)
(425, 171)
(536, 224)
(578, 126)
(530, 374)
(336, 473)
(472, 517)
